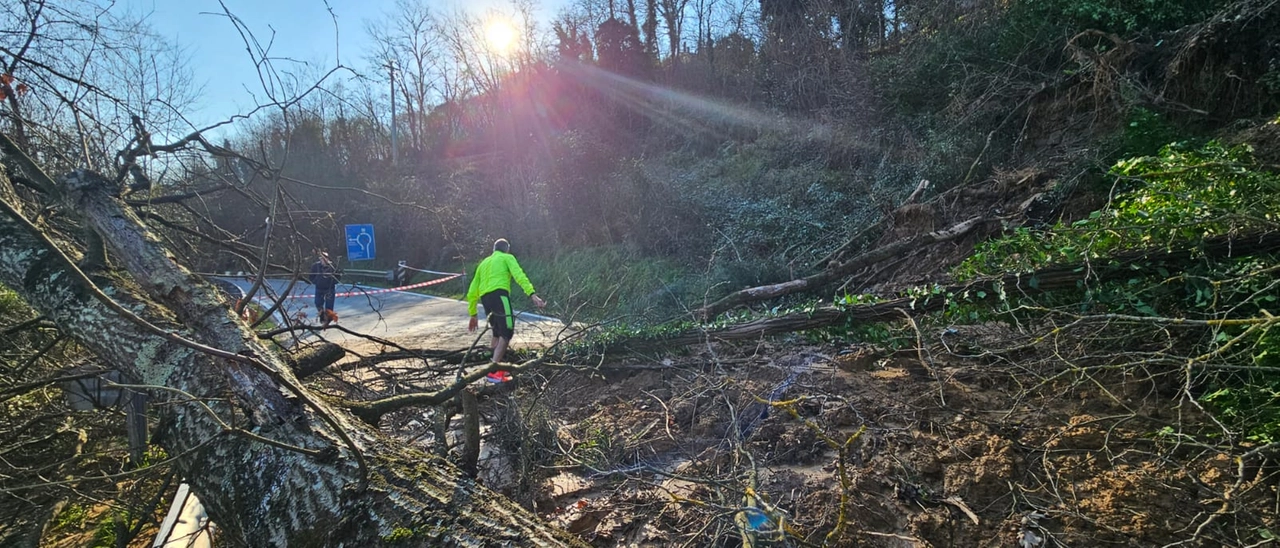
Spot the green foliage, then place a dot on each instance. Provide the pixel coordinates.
(1146, 133)
(153, 455)
(768, 202)
(104, 535)
(110, 523)
(11, 306)
(893, 336)
(753, 214)
(1173, 201)
(1256, 404)
(398, 535)
(624, 331)
(940, 89)
(931, 74)
(887, 334)
(600, 449)
(1123, 17)
(597, 282)
(72, 516)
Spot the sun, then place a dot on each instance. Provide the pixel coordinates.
(501, 35)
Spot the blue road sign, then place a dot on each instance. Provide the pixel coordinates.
(360, 244)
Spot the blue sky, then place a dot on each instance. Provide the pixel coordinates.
(303, 29)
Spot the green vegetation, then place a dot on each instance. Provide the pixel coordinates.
(1180, 199)
(1123, 17)
(1146, 132)
(637, 186)
(1172, 201)
(104, 535)
(10, 303)
(599, 449)
(72, 516)
(597, 283)
(398, 535)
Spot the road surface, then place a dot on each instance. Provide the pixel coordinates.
(410, 319)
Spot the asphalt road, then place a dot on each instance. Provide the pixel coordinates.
(410, 319)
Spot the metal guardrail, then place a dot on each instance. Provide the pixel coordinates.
(374, 273)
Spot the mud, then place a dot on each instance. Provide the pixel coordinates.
(680, 450)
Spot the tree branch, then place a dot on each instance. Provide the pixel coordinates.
(833, 273)
(1049, 279)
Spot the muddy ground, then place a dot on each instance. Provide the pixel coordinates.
(788, 443)
(977, 437)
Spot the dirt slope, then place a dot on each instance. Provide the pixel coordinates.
(680, 451)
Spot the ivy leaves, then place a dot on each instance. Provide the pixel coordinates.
(1172, 201)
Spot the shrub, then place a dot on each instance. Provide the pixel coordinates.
(597, 283)
(1174, 201)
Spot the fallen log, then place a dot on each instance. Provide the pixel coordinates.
(864, 236)
(1057, 278)
(289, 469)
(821, 279)
(314, 359)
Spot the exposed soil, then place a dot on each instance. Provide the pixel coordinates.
(861, 447)
(976, 439)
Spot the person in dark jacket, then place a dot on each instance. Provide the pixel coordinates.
(325, 279)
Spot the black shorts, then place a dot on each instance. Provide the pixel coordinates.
(497, 304)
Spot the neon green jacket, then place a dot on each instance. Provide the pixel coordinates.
(495, 272)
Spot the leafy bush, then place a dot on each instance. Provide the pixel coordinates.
(1146, 132)
(1123, 17)
(1170, 201)
(762, 204)
(12, 308)
(596, 283)
(1174, 201)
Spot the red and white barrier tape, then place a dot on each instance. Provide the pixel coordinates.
(377, 291)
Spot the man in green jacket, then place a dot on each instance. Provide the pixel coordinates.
(491, 287)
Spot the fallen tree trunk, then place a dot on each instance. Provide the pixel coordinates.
(870, 232)
(273, 465)
(1134, 263)
(821, 279)
(451, 357)
(314, 359)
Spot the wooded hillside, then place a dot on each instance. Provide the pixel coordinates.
(846, 272)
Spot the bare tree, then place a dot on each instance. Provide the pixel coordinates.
(704, 10)
(273, 464)
(672, 12)
(59, 102)
(406, 41)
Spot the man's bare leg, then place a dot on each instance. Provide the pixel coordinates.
(499, 348)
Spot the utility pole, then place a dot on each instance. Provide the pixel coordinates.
(392, 68)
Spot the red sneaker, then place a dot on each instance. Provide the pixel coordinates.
(498, 377)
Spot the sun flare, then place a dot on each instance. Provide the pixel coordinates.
(501, 35)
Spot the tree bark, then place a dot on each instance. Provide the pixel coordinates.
(314, 360)
(273, 465)
(470, 432)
